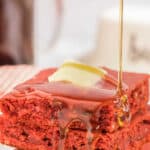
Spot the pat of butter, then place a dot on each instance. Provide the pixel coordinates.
(78, 74)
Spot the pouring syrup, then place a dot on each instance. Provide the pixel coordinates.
(120, 47)
(123, 105)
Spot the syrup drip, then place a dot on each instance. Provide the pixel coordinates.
(66, 117)
(120, 48)
(122, 104)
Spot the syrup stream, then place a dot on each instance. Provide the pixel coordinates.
(120, 47)
(123, 104)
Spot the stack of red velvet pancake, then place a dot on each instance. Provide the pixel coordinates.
(39, 115)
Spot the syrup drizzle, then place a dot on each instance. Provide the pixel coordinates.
(120, 47)
(76, 115)
(123, 104)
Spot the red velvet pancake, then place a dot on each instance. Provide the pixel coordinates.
(38, 115)
(99, 103)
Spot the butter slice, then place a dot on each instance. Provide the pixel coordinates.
(78, 74)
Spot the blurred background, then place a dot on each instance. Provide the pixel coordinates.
(47, 32)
